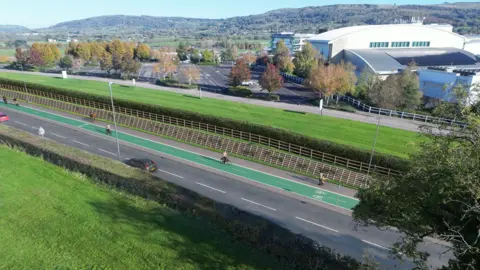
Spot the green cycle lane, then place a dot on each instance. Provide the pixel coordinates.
(305, 190)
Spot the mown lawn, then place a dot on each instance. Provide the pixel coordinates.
(54, 219)
(390, 140)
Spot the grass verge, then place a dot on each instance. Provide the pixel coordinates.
(58, 219)
(391, 141)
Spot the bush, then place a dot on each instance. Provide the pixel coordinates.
(240, 91)
(294, 250)
(175, 83)
(341, 150)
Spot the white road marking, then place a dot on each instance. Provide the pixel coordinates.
(170, 173)
(34, 127)
(60, 136)
(375, 245)
(211, 188)
(81, 143)
(259, 204)
(108, 152)
(202, 155)
(20, 123)
(325, 227)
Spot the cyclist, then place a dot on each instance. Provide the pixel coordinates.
(93, 116)
(225, 157)
(108, 130)
(16, 102)
(5, 100)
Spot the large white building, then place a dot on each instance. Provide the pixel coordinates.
(294, 42)
(436, 83)
(386, 49)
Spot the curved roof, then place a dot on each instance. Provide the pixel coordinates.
(340, 32)
(388, 60)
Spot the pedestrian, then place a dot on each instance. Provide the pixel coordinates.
(5, 100)
(41, 132)
(321, 179)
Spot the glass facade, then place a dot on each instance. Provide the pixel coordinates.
(397, 44)
(421, 44)
(378, 44)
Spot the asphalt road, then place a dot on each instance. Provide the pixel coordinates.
(325, 226)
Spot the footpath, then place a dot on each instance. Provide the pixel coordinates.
(359, 116)
(284, 181)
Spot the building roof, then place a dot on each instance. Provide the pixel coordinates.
(391, 60)
(340, 32)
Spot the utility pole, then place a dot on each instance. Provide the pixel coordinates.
(114, 119)
(373, 148)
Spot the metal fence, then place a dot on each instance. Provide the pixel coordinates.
(250, 150)
(386, 112)
(250, 137)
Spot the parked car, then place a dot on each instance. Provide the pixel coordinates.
(3, 117)
(143, 164)
(247, 83)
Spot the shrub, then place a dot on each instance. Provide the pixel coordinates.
(240, 91)
(175, 83)
(341, 150)
(294, 250)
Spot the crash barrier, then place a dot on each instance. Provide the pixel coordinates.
(195, 136)
(250, 137)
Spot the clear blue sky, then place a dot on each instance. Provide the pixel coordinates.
(43, 13)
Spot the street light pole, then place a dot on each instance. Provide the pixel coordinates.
(373, 148)
(114, 119)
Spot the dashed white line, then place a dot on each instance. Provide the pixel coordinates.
(81, 143)
(60, 136)
(20, 123)
(273, 209)
(211, 187)
(375, 245)
(108, 152)
(170, 173)
(325, 227)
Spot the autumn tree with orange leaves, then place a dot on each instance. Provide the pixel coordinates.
(167, 62)
(328, 80)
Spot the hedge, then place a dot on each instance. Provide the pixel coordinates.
(293, 250)
(350, 152)
(240, 91)
(174, 83)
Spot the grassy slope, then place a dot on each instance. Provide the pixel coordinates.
(51, 218)
(391, 141)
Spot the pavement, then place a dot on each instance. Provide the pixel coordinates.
(359, 116)
(328, 225)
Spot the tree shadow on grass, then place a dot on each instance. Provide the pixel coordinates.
(194, 239)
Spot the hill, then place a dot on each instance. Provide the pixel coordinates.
(13, 28)
(463, 16)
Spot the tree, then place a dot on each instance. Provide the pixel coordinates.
(271, 80)
(71, 49)
(129, 66)
(249, 58)
(143, 52)
(182, 52)
(397, 92)
(167, 63)
(195, 56)
(21, 57)
(207, 56)
(230, 54)
(55, 51)
(116, 47)
(305, 60)
(439, 196)
(240, 73)
(35, 58)
(97, 49)
(368, 82)
(84, 51)
(43, 51)
(282, 59)
(191, 72)
(331, 79)
(106, 62)
(66, 62)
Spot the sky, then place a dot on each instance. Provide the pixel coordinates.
(44, 13)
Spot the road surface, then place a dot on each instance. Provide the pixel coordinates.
(359, 116)
(330, 228)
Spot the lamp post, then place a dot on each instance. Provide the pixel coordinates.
(373, 148)
(114, 119)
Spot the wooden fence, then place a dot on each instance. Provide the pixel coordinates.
(245, 149)
(250, 137)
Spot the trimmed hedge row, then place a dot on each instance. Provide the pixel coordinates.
(240, 91)
(293, 250)
(345, 151)
(174, 83)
